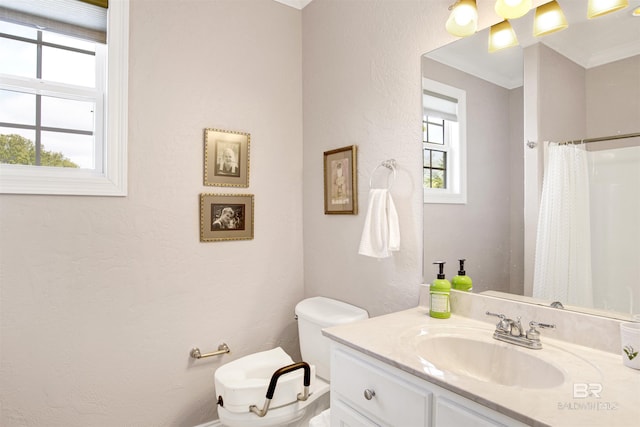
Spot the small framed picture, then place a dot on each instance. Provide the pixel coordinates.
(340, 185)
(226, 158)
(226, 217)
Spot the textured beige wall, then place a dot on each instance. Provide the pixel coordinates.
(102, 298)
(613, 103)
(480, 230)
(362, 85)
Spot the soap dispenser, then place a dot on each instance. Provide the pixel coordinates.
(439, 306)
(462, 282)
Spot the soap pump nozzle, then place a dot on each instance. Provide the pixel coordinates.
(440, 269)
(461, 272)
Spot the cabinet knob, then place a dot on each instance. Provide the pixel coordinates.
(369, 394)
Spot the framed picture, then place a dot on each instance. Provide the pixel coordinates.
(340, 185)
(226, 158)
(226, 217)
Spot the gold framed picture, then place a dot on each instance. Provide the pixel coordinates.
(226, 158)
(340, 181)
(226, 217)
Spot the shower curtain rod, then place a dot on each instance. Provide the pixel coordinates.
(602, 138)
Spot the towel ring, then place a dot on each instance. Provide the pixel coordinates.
(389, 164)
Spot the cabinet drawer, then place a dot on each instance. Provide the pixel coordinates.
(454, 414)
(342, 415)
(394, 402)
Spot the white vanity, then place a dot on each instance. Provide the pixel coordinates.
(367, 392)
(406, 369)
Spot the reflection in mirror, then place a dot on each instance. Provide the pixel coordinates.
(579, 83)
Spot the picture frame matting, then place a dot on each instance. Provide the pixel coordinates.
(226, 158)
(226, 217)
(340, 181)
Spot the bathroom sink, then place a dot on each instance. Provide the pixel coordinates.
(487, 361)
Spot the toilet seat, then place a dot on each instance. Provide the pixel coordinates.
(277, 416)
(242, 385)
(244, 382)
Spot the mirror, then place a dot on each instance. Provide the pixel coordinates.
(495, 231)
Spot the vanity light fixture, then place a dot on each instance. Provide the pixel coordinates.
(636, 12)
(512, 9)
(549, 18)
(602, 7)
(463, 20)
(502, 36)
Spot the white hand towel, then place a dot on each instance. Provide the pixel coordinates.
(381, 233)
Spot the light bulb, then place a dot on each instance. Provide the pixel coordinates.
(502, 36)
(464, 14)
(463, 20)
(512, 9)
(549, 19)
(602, 7)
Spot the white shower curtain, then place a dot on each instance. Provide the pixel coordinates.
(562, 269)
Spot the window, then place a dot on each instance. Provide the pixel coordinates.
(61, 130)
(444, 143)
(436, 132)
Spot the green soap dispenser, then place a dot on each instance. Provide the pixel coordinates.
(462, 282)
(439, 290)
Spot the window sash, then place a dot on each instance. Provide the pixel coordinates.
(456, 162)
(21, 179)
(46, 89)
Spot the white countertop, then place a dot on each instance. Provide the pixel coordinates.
(390, 339)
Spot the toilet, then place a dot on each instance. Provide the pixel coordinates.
(243, 385)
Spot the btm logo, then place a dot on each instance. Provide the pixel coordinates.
(585, 390)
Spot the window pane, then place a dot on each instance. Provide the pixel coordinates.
(438, 159)
(60, 39)
(17, 107)
(67, 150)
(427, 158)
(18, 30)
(17, 146)
(67, 113)
(435, 133)
(17, 58)
(437, 179)
(65, 66)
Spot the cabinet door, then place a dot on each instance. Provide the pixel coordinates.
(377, 392)
(453, 414)
(342, 415)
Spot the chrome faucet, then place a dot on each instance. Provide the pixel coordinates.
(516, 327)
(509, 330)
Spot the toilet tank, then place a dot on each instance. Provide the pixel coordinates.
(315, 314)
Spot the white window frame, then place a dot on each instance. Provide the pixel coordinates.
(456, 191)
(112, 180)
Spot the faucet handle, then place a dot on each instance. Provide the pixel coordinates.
(504, 324)
(501, 316)
(533, 333)
(535, 324)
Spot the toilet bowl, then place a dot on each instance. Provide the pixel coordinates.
(245, 383)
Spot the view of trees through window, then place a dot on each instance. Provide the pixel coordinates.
(18, 150)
